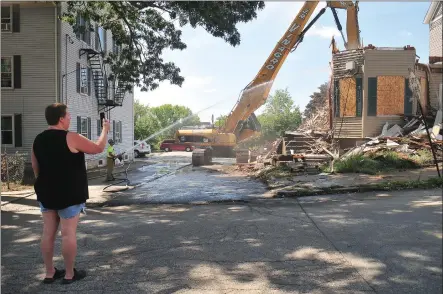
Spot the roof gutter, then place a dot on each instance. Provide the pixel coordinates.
(431, 12)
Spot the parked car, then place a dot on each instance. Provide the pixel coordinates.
(141, 148)
(172, 145)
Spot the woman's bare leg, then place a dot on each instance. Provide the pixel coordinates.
(69, 243)
(50, 226)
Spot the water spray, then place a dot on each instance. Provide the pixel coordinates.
(245, 94)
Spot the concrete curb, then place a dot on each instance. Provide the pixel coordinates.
(387, 186)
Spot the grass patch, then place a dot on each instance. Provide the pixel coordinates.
(430, 183)
(381, 161)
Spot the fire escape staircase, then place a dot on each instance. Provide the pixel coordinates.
(108, 96)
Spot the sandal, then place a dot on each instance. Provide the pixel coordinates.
(78, 275)
(57, 275)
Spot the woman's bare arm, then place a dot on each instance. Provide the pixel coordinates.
(77, 142)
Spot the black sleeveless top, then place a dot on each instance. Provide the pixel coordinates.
(62, 180)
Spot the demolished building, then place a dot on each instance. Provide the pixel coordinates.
(371, 88)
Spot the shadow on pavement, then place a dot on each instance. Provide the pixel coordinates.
(388, 245)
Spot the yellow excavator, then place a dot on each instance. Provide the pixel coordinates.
(242, 123)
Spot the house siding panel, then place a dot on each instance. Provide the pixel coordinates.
(87, 105)
(383, 63)
(375, 124)
(435, 33)
(35, 43)
(347, 127)
(434, 84)
(46, 55)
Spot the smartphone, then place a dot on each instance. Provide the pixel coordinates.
(102, 117)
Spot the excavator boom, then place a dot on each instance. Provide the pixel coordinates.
(256, 93)
(352, 27)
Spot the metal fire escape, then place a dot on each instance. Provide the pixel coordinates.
(109, 94)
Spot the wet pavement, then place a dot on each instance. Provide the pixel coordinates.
(171, 178)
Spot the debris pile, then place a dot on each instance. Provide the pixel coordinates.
(319, 121)
(407, 139)
(307, 150)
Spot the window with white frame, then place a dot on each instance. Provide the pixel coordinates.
(84, 126)
(7, 130)
(84, 79)
(6, 18)
(7, 72)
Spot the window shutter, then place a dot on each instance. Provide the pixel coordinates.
(18, 130)
(372, 96)
(121, 132)
(77, 23)
(408, 96)
(89, 81)
(78, 77)
(17, 71)
(87, 33)
(16, 18)
(113, 130)
(89, 128)
(99, 130)
(97, 38)
(79, 124)
(359, 97)
(337, 98)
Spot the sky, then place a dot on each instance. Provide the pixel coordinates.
(215, 72)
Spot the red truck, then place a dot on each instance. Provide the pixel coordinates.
(172, 145)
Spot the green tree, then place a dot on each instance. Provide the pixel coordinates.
(143, 29)
(318, 99)
(220, 121)
(280, 115)
(159, 123)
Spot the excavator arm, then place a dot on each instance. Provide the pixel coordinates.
(352, 26)
(242, 121)
(255, 93)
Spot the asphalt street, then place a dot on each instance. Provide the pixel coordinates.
(366, 243)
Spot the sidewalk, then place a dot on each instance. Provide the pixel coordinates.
(96, 184)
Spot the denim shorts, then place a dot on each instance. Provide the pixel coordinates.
(68, 212)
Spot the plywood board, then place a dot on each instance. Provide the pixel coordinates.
(390, 95)
(348, 93)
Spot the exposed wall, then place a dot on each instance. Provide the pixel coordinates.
(384, 62)
(35, 43)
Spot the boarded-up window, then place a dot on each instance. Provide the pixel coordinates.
(390, 95)
(348, 93)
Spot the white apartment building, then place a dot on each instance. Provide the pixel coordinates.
(42, 62)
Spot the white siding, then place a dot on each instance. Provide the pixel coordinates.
(383, 63)
(36, 44)
(87, 106)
